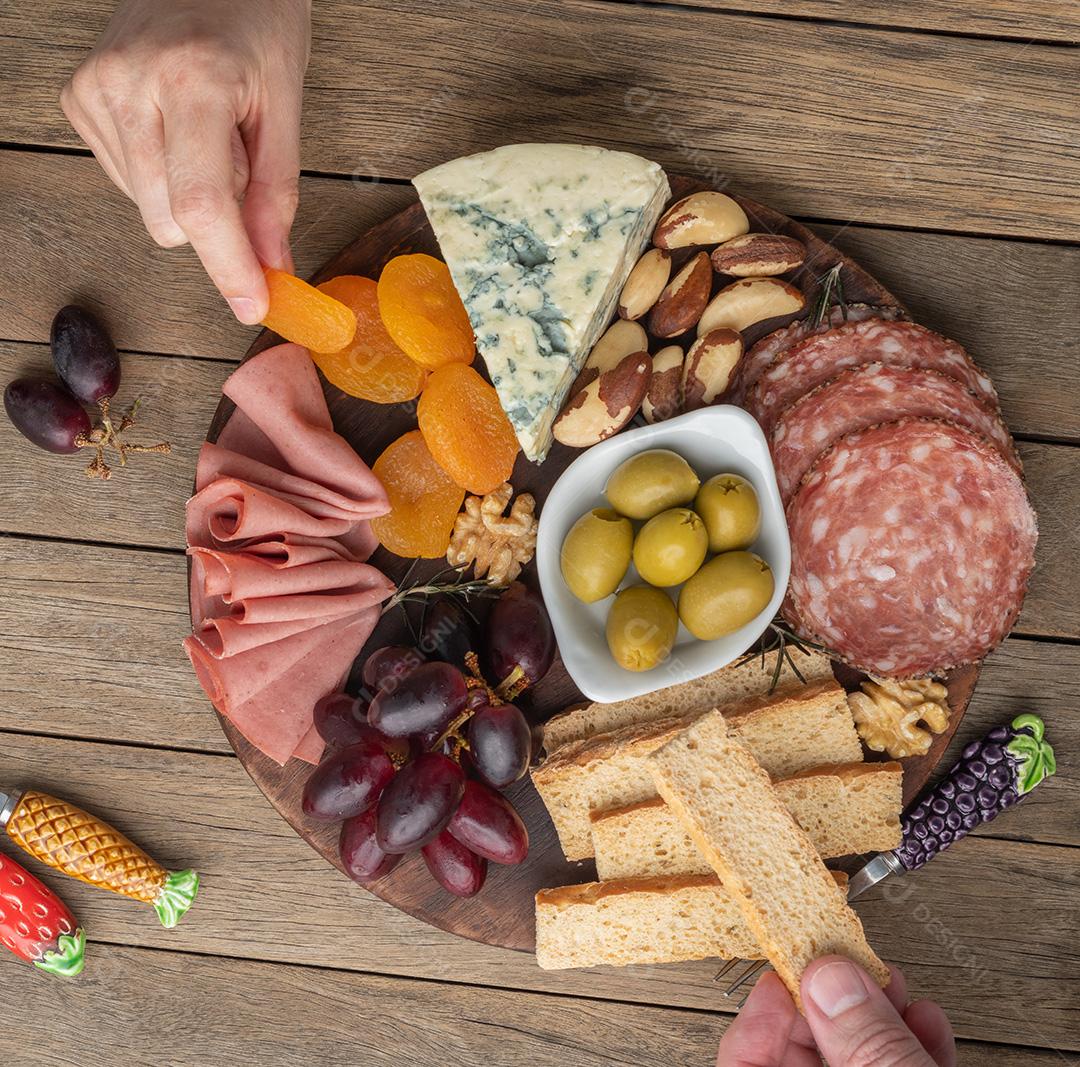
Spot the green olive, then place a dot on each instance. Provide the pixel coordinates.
(651, 482)
(670, 547)
(729, 591)
(729, 506)
(641, 627)
(596, 554)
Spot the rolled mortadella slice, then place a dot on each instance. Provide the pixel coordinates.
(76, 843)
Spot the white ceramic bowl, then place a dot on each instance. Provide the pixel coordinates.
(713, 440)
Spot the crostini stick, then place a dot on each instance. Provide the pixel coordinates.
(78, 844)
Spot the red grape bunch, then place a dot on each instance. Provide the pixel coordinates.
(421, 764)
(52, 414)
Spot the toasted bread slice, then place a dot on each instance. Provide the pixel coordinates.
(793, 729)
(728, 685)
(846, 809)
(763, 857)
(642, 920)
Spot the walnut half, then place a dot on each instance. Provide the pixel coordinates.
(900, 718)
(497, 545)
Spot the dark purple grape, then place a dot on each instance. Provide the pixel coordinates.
(520, 641)
(500, 744)
(386, 667)
(347, 783)
(341, 720)
(424, 700)
(418, 803)
(487, 823)
(44, 412)
(84, 355)
(448, 633)
(360, 852)
(454, 867)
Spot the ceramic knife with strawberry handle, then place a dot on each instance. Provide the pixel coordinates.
(78, 844)
(36, 925)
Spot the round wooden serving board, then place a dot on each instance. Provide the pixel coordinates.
(502, 914)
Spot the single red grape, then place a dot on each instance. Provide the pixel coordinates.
(500, 744)
(454, 867)
(44, 412)
(347, 783)
(386, 667)
(84, 355)
(360, 852)
(520, 640)
(425, 700)
(448, 632)
(418, 803)
(486, 822)
(340, 720)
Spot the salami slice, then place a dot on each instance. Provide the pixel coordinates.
(911, 547)
(807, 364)
(760, 355)
(864, 396)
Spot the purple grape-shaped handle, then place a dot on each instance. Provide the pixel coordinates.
(991, 775)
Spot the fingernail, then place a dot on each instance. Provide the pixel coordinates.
(244, 309)
(836, 988)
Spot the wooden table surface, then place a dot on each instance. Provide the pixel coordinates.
(938, 143)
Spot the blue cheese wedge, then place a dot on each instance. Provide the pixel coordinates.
(539, 239)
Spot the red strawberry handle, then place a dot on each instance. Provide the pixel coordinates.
(36, 924)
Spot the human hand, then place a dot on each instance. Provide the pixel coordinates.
(849, 1021)
(193, 109)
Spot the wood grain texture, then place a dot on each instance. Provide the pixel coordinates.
(1040, 20)
(265, 895)
(935, 132)
(1012, 303)
(136, 1006)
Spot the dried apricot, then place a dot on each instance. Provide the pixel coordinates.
(424, 502)
(300, 313)
(466, 428)
(423, 312)
(371, 366)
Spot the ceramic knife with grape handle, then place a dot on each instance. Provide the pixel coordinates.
(990, 777)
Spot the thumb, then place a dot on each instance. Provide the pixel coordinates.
(852, 1020)
(272, 139)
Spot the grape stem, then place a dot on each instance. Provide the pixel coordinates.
(473, 680)
(108, 434)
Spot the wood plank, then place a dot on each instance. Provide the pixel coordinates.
(267, 896)
(937, 132)
(75, 238)
(1040, 20)
(196, 1011)
(160, 301)
(90, 645)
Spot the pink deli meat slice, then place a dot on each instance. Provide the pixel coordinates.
(815, 360)
(230, 510)
(911, 547)
(279, 391)
(761, 354)
(277, 718)
(864, 396)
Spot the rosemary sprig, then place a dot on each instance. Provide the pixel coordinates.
(776, 641)
(437, 585)
(831, 286)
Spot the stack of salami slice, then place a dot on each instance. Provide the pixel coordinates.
(281, 598)
(912, 536)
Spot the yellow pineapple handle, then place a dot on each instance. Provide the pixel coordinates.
(78, 844)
